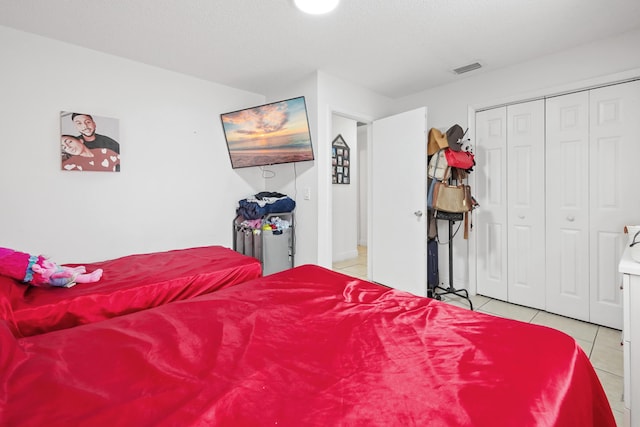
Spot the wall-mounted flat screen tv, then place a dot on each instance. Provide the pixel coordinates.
(268, 134)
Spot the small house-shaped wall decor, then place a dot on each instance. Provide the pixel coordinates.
(340, 160)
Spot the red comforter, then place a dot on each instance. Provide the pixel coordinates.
(304, 347)
(128, 284)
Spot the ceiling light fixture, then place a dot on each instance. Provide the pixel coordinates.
(316, 7)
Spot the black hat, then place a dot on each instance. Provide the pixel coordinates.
(454, 137)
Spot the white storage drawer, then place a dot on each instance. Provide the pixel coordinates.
(631, 338)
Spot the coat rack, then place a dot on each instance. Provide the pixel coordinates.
(463, 293)
(452, 142)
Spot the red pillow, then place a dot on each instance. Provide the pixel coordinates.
(7, 289)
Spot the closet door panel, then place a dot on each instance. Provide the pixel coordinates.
(614, 201)
(491, 264)
(526, 202)
(567, 205)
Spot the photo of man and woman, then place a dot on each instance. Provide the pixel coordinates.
(84, 144)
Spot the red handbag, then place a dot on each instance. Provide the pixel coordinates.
(459, 159)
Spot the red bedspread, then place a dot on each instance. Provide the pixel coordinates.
(304, 347)
(128, 284)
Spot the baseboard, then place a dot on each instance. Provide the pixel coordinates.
(342, 256)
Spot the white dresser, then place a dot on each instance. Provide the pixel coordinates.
(631, 338)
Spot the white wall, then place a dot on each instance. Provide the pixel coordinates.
(296, 179)
(562, 71)
(345, 196)
(595, 63)
(325, 95)
(176, 187)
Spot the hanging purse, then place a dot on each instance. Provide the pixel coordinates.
(435, 160)
(469, 199)
(438, 166)
(459, 159)
(450, 198)
(432, 184)
(449, 216)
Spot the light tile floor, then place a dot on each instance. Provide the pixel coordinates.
(601, 344)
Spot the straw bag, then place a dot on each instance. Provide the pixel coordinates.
(451, 198)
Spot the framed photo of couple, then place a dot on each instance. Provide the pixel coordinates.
(89, 142)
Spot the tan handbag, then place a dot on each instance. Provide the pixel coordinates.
(451, 198)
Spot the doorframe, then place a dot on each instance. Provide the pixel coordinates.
(606, 80)
(362, 118)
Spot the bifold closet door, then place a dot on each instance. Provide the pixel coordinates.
(592, 155)
(491, 192)
(510, 190)
(526, 203)
(556, 182)
(567, 205)
(614, 160)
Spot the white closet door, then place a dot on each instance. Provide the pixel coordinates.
(526, 203)
(567, 208)
(491, 192)
(615, 199)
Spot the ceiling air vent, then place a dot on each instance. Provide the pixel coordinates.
(467, 68)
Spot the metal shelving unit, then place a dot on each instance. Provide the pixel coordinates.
(274, 249)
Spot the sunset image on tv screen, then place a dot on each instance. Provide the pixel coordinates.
(268, 134)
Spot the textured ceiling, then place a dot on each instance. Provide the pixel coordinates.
(393, 47)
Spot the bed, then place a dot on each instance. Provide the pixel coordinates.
(128, 284)
(303, 347)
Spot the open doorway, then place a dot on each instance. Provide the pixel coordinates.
(349, 195)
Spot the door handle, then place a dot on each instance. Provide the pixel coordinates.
(418, 213)
(571, 218)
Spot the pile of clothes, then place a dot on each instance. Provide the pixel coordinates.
(274, 224)
(264, 203)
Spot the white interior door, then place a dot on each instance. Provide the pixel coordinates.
(526, 202)
(491, 193)
(614, 202)
(567, 188)
(398, 247)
